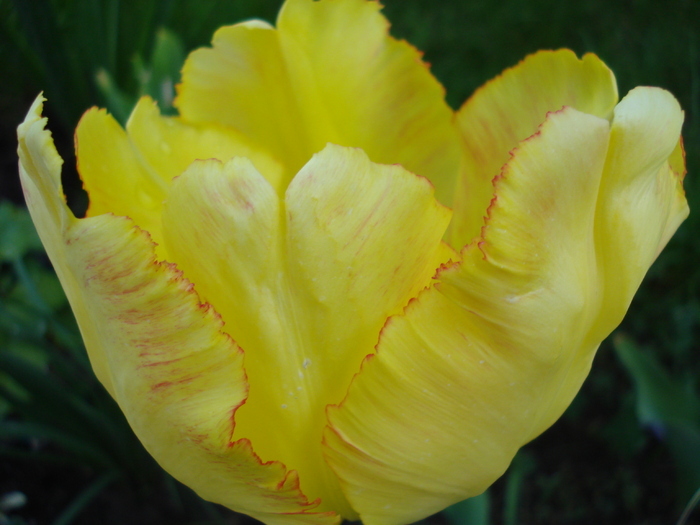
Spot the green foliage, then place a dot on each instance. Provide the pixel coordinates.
(17, 234)
(64, 44)
(671, 407)
(157, 78)
(472, 511)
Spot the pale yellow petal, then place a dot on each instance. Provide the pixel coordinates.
(509, 109)
(128, 172)
(642, 200)
(159, 351)
(470, 372)
(115, 177)
(169, 146)
(242, 82)
(330, 73)
(304, 285)
(356, 86)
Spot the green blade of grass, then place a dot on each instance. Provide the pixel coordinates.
(472, 511)
(54, 405)
(78, 447)
(85, 497)
(689, 508)
(660, 398)
(522, 465)
(669, 408)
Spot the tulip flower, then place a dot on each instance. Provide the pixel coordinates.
(318, 293)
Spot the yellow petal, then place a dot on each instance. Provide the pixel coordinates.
(159, 351)
(642, 200)
(242, 82)
(680, 209)
(127, 172)
(509, 109)
(40, 175)
(330, 73)
(169, 146)
(304, 285)
(115, 177)
(493, 352)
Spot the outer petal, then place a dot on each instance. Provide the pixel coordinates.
(509, 109)
(304, 286)
(642, 202)
(329, 74)
(505, 339)
(157, 349)
(494, 351)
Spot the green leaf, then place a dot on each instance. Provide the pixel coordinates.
(522, 465)
(34, 355)
(660, 399)
(689, 508)
(85, 497)
(623, 433)
(38, 286)
(17, 233)
(670, 408)
(20, 320)
(78, 447)
(472, 511)
(119, 104)
(58, 458)
(159, 78)
(53, 405)
(684, 444)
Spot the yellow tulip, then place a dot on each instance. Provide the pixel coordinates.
(302, 332)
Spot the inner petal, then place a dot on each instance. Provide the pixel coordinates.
(169, 145)
(127, 172)
(329, 73)
(304, 285)
(509, 109)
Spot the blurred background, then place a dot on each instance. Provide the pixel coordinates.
(626, 452)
